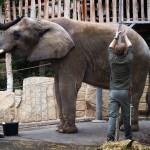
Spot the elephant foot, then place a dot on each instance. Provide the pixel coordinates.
(67, 127)
(68, 130)
(134, 127)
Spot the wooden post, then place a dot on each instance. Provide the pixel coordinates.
(107, 11)
(67, 8)
(142, 10)
(100, 11)
(59, 8)
(78, 10)
(148, 9)
(84, 10)
(39, 9)
(92, 10)
(14, 10)
(128, 9)
(135, 10)
(46, 7)
(53, 8)
(74, 9)
(114, 6)
(20, 8)
(26, 8)
(33, 9)
(8, 55)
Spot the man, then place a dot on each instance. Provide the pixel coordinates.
(5, 27)
(120, 60)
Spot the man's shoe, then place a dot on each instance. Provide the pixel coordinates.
(110, 139)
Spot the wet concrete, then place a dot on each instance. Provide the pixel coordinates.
(90, 135)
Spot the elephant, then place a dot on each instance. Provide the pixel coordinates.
(78, 53)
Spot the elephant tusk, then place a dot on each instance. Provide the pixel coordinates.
(1, 51)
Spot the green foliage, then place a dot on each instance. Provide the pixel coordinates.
(1, 2)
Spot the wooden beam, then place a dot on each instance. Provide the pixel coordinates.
(78, 10)
(148, 9)
(128, 9)
(14, 9)
(20, 7)
(46, 7)
(84, 10)
(33, 9)
(26, 8)
(142, 10)
(135, 10)
(107, 11)
(53, 8)
(74, 9)
(59, 8)
(92, 10)
(100, 11)
(114, 6)
(67, 8)
(39, 9)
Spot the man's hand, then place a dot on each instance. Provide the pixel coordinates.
(117, 34)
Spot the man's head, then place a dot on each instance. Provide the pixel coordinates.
(120, 48)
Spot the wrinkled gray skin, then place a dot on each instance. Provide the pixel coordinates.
(79, 54)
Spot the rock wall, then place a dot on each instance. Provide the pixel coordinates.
(36, 102)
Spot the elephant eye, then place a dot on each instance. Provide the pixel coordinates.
(16, 35)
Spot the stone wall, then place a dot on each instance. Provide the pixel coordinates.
(36, 102)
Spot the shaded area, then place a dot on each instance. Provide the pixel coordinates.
(89, 135)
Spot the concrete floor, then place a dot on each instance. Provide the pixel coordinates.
(89, 134)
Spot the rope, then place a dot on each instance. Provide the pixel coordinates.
(22, 69)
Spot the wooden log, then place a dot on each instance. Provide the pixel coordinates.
(148, 9)
(100, 11)
(92, 10)
(78, 10)
(20, 7)
(67, 8)
(142, 10)
(84, 10)
(39, 9)
(107, 11)
(114, 6)
(59, 8)
(26, 8)
(135, 10)
(128, 9)
(53, 9)
(46, 6)
(33, 9)
(14, 10)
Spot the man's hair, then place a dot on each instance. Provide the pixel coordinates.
(120, 48)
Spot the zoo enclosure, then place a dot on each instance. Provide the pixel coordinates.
(134, 11)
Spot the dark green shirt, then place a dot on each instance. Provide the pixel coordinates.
(120, 69)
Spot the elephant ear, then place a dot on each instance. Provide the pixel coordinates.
(54, 42)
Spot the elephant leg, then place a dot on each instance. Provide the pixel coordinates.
(68, 88)
(59, 104)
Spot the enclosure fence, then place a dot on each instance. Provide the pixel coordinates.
(134, 11)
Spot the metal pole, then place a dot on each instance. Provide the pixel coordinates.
(99, 103)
